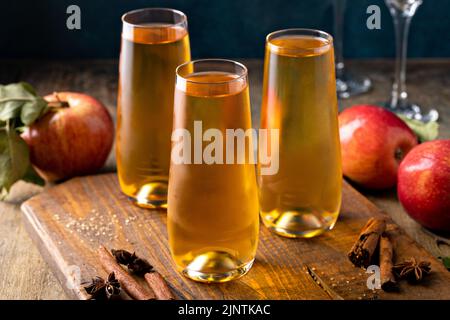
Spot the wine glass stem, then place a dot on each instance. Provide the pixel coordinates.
(339, 9)
(401, 24)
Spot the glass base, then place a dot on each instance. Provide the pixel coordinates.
(215, 267)
(152, 195)
(298, 224)
(349, 85)
(413, 111)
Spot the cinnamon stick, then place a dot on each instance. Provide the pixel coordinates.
(388, 282)
(364, 248)
(128, 283)
(159, 286)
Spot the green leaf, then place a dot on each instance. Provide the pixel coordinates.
(20, 106)
(32, 176)
(10, 110)
(14, 158)
(28, 87)
(32, 110)
(425, 131)
(446, 262)
(20, 101)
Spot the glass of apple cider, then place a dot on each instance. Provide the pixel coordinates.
(299, 98)
(213, 209)
(154, 42)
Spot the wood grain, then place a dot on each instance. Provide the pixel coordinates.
(70, 221)
(24, 273)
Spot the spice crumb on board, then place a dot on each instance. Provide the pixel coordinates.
(92, 228)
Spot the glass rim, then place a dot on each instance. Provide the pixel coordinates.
(240, 76)
(299, 31)
(140, 25)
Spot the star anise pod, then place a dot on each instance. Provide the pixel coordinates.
(99, 289)
(96, 288)
(135, 264)
(123, 256)
(112, 286)
(412, 269)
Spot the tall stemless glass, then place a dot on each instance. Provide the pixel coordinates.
(154, 42)
(299, 98)
(213, 209)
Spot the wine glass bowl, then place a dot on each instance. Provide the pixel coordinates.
(404, 7)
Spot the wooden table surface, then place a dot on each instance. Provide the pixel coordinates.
(23, 273)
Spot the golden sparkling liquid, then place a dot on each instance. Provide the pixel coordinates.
(303, 198)
(213, 219)
(149, 57)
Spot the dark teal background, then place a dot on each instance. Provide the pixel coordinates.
(218, 28)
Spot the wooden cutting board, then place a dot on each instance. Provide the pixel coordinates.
(69, 221)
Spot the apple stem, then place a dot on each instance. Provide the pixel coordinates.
(398, 154)
(59, 103)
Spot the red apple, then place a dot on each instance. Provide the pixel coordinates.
(424, 184)
(72, 139)
(373, 143)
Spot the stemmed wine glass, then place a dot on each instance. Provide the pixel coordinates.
(402, 12)
(347, 85)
